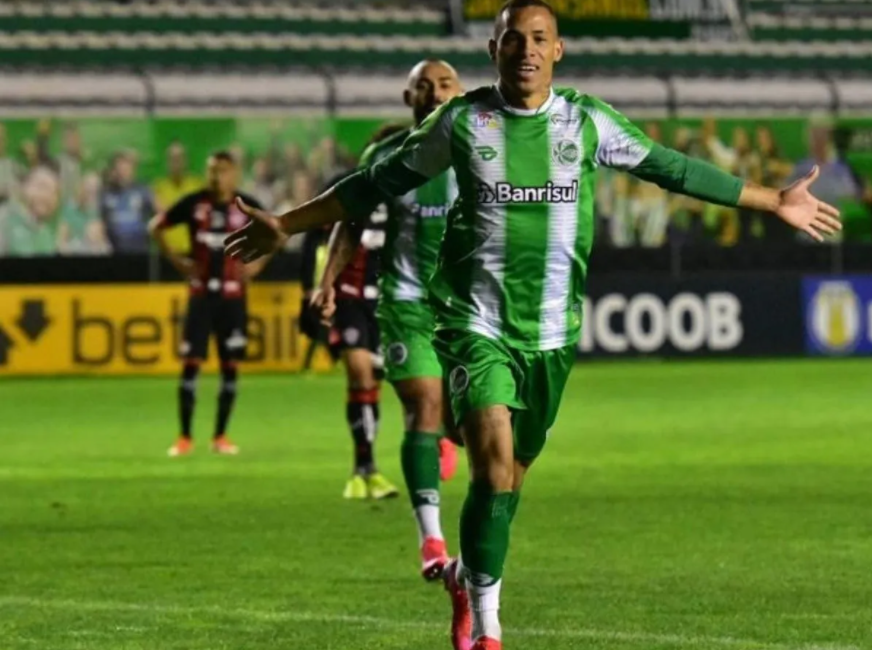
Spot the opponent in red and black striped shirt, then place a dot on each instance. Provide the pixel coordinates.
(217, 291)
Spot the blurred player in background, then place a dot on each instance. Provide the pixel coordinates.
(353, 336)
(416, 223)
(217, 302)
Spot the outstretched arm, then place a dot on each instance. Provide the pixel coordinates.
(795, 204)
(254, 269)
(344, 241)
(622, 145)
(426, 153)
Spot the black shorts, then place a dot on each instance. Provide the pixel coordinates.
(354, 326)
(225, 317)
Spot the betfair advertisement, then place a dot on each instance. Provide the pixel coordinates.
(135, 329)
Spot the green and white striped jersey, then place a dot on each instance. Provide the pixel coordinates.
(414, 229)
(514, 258)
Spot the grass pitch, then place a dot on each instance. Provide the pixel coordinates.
(677, 505)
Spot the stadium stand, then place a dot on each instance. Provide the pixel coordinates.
(824, 37)
(141, 54)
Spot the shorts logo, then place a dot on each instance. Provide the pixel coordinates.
(458, 380)
(351, 336)
(398, 353)
(236, 340)
(564, 152)
(503, 192)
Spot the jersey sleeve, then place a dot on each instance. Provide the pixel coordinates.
(426, 153)
(674, 171)
(622, 145)
(180, 212)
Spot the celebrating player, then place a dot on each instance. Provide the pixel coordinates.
(353, 336)
(217, 292)
(415, 225)
(509, 284)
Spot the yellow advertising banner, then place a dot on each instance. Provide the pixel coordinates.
(136, 329)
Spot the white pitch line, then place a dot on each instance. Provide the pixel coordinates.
(695, 641)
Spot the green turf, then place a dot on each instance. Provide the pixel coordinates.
(678, 505)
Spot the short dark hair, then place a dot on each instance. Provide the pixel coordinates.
(512, 5)
(223, 154)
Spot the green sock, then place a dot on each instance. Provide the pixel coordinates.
(420, 458)
(484, 533)
(513, 505)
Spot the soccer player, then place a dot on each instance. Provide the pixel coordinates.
(415, 225)
(509, 283)
(354, 338)
(216, 304)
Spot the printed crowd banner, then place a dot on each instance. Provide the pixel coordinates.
(136, 329)
(838, 315)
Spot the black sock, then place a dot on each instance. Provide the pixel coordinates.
(363, 415)
(187, 391)
(226, 398)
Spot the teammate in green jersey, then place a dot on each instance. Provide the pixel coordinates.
(512, 268)
(414, 229)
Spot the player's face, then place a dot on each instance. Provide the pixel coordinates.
(435, 84)
(526, 48)
(72, 141)
(125, 171)
(176, 160)
(222, 176)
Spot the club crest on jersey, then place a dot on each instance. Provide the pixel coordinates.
(486, 120)
(564, 152)
(503, 192)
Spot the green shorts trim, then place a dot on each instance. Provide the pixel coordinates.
(407, 340)
(482, 372)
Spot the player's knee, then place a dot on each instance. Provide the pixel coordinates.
(360, 374)
(190, 371)
(229, 373)
(426, 411)
(495, 470)
(500, 475)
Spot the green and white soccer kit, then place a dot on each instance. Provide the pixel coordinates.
(415, 226)
(510, 279)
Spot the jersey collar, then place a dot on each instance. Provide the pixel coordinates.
(505, 106)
